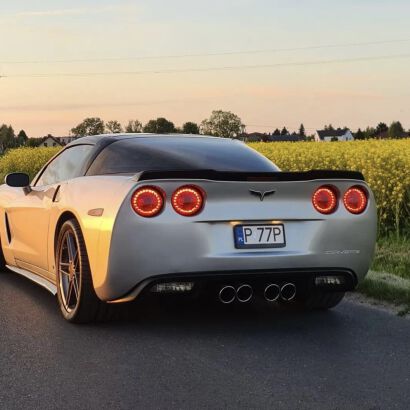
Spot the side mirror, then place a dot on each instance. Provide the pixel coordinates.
(17, 180)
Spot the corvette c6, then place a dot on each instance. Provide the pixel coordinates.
(112, 218)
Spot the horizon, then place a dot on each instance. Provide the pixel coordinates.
(273, 63)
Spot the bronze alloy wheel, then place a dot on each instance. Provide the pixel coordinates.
(76, 295)
(69, 268)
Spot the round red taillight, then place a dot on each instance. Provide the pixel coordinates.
(188, 200)
(325, 200)
(147, 201)
(355, 200)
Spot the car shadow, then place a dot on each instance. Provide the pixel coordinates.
(201, 317)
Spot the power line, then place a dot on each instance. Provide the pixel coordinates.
(208, 69)
(215, 54)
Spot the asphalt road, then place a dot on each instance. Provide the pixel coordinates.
(192, 356)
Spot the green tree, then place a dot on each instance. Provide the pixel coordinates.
(360, 135)
(276, 132)
(7, 137)
(284, 131)
(329, 127)
(396, 130)
(381, 127)
(190, 128)
(159, 126)
(90, 126)
(33, 142)
(133, 126)
(222, 124)
(334, 139)
(369, 132)
(22, 138)
(113, 127)
(302, 130)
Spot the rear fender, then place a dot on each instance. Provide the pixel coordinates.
(94, 202)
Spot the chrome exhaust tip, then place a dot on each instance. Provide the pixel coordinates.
(272, 292)
(227, 294)
(288, 292)
(244, 293)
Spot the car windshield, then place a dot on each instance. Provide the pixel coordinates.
(183, 153)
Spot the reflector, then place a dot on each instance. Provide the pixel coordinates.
(329, 280)
(172, 287)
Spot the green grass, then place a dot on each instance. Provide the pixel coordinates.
(393, 256)
(389, 279)
(387, 287)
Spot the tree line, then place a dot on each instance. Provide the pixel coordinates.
(395, 131)
(9, 139)
(220, 123)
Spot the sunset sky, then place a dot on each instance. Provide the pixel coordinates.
(164, 58)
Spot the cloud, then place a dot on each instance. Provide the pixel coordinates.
(74, 11)
(45, 13)
(89, 105)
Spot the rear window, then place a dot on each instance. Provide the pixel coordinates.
(184, 153)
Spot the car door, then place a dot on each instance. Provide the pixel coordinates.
(29, 214)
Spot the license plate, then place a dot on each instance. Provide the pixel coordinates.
(259, 236)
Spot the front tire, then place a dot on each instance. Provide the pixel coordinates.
(75, 291)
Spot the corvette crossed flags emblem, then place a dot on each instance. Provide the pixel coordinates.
(261, 194)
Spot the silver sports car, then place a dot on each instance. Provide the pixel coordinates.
(112, 218)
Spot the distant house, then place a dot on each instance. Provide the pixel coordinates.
(50, 141)
(332, 135)
(66, 140)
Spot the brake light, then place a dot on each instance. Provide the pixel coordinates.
(355, 200)
(325, 200)
(188, 200)
(147, 201)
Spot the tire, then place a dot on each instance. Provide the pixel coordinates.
(75, 291)
(320, 300)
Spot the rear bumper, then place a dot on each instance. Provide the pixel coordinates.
(206, 283)
(198, 248)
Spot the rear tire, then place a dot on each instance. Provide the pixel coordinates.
(75, 291)
(320, 300)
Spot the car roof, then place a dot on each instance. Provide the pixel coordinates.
(94, 139)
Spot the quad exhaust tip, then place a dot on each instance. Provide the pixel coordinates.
(227, 294)
(272, 292)
(244, 293)
(288, 292)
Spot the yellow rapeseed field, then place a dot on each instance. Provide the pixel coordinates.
(28, 160)
(385, 165)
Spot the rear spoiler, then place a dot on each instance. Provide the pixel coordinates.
(213, 175)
